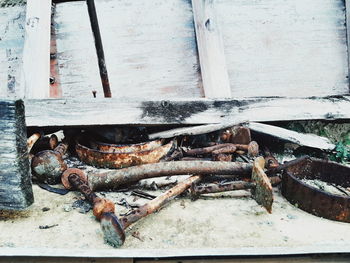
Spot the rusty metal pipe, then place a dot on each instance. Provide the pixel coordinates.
(114, 179)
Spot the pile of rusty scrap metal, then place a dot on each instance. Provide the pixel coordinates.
(226, 160)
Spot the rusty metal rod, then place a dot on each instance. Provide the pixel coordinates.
(158, 202)
(232, 186)
(210, 149)
(99, 48)
(114, 179)
(286, 165)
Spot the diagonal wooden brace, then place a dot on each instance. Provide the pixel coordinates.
(262, 193)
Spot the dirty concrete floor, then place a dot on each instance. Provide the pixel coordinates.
(230, 221)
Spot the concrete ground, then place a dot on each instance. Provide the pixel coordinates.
(229, 221)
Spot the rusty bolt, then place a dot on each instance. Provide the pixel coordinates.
(49, 165)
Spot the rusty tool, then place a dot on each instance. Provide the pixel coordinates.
(262, 192)
(103, 209)
(260, 186)
(311, 199)
(49, 165)
(119, 159)
(116, 238)
(114, 179)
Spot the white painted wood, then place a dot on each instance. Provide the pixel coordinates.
(304, 139)
(76, 53)
(196, 130)
(347, 14)
(75, 112)
(12, 20)
(216, 82)
(36, 53)
(150, 48)
(322, 249)
(291, 48)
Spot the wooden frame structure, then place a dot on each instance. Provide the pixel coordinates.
(30, 83)
(76, 111)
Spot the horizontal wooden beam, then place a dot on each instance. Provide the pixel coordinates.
(78, 112)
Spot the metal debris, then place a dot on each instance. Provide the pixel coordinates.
(314, 200)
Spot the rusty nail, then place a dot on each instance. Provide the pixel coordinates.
(52, 80)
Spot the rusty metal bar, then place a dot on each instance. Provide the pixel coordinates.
(99, 48)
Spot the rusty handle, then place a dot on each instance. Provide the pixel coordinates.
(83, 187)
(159, 201)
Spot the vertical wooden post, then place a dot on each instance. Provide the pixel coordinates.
(211, 52)
(15, 182)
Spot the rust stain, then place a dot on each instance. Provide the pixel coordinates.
(55, 86)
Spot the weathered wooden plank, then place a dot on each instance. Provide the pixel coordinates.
(36, 52)
(76, 53)
(12, 20)
(291, 48)
(150, 48)
(216, 83)
(200, 111)
(15, 183)
(310, 140)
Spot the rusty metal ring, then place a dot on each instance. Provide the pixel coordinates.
(120, 160)
(312, 199)
(125, 148)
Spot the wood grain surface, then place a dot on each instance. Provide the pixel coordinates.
(285, 48)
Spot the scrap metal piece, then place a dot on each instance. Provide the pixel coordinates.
(314, 200)
(126, 148)
(121, 160)
(262, 193)
(236, 134)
